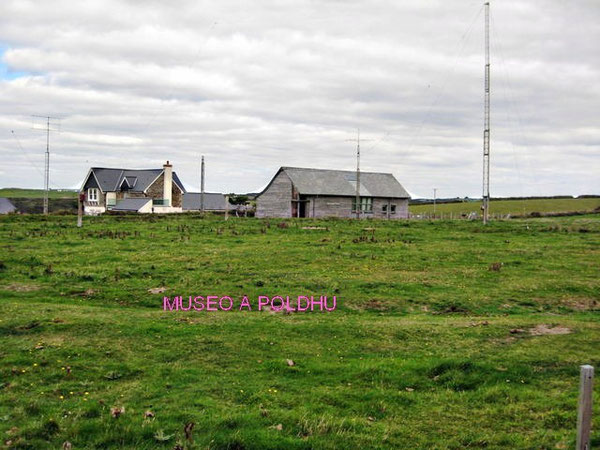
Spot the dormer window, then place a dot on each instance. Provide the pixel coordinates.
(92, 195)
(128, 183)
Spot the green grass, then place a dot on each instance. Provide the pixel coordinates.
(419, 353)
(513, 207)
(36, 193)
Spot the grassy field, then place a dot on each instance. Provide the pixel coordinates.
(36, 193)
(447, 334)
(513, 207)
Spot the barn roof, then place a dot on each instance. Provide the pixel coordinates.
(343, 183)
(212, 201)
(138, 180)
(6, 206)
(131, 204)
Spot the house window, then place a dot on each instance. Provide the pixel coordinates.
(366, 204)
(92, 194)
(393, 209)
(384, 208)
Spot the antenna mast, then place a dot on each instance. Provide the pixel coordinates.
(358, 175)
(47, 167)
(486, 126)
(202, 185)
(47, 161)
(357, 140)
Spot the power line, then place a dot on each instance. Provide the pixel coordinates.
(33, 164)
(460, 46)
(512, 104)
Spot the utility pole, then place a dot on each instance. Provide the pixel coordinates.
(80, 200)
(47, 167)
(47, 162)
(486, 119)
(357, 140)
(202, 185)
(434, 197)
(358, 208)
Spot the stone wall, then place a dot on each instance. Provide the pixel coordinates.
(155, 191)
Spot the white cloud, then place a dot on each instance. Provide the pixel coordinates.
(254, 87)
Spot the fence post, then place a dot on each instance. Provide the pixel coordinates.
(584, 413)
(80, 200)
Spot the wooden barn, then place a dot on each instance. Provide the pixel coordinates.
(299, 192)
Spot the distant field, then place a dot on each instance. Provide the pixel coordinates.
(513, 207)
(31, 205)
(35, 193)
(448, 335)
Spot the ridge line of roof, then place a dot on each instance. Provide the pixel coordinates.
(121, 169)
(334, 170)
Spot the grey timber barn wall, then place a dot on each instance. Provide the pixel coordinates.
(342, 207)
(276, 201)
(331, 206)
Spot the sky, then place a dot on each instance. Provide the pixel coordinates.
(253, 86)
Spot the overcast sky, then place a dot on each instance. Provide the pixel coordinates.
(258, 85)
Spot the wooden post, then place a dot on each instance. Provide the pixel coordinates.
(584, 413)
(80, 199)
(226, 207)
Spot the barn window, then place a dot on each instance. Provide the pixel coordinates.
(366, 204)
(393, 209)
(92, 194)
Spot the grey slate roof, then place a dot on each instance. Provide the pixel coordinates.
(131, 204)
(6, 206)
(110, 180)
(212, 201)
(343, 183)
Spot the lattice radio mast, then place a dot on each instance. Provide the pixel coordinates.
(486, 126)
(358, 140)
(202, 184)
(47, 162)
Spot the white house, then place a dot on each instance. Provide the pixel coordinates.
(142, 191)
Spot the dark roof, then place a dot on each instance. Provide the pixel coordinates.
(131, 204)
(110, 180)
(130, 180)
(6, 206)
(343, 183)
(212, 201)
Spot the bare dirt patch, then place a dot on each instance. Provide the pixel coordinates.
(543, 329)
(21, 287)
(583, 304)
(376, 305)
(158, 290)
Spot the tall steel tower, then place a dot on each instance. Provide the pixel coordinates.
(486, 119)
